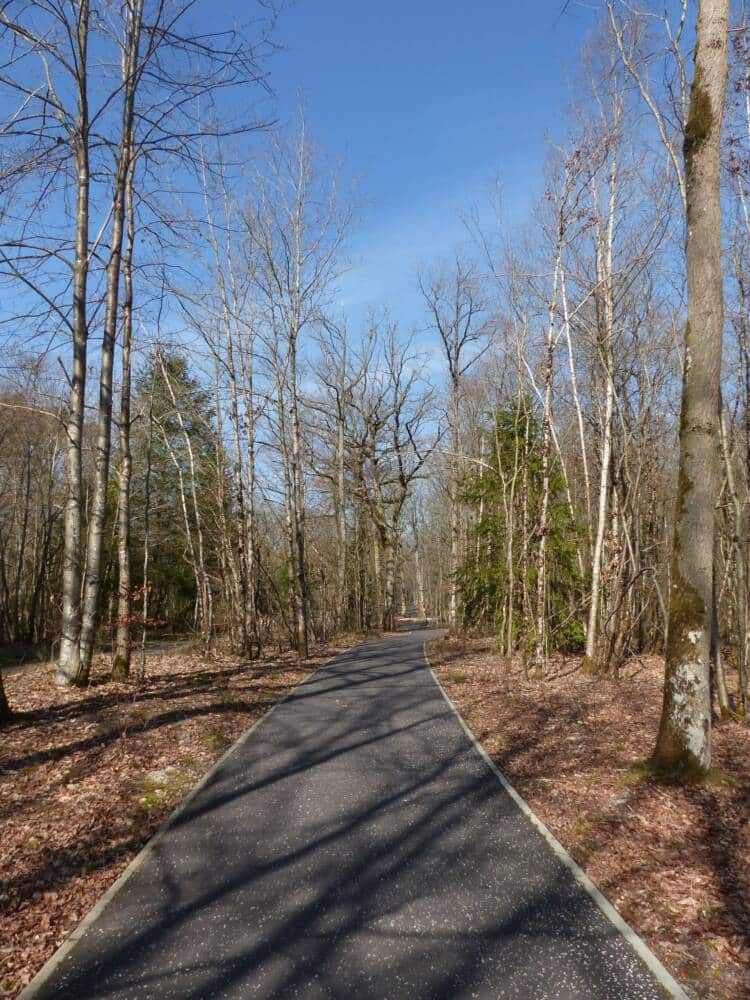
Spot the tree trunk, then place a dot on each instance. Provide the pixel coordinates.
(605, 320)
(342, 610)
(197, 552)
(69, 657)
(5, 711)
(683, 746)
(121, 662)
(298, 506)
(378, 575)
(540, 652)
(739, 550)
(104, 414)
(146, 537)
(247, 367)
(289, 522)
(719, 676)
(389, 567)
(418, 569)
(455, 524)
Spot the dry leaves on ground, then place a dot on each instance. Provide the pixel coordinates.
(674, 861)
(87, 776)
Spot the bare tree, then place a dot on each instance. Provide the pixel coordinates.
(340, 370)
(133, 66)
(684, 740)
(54, 119)
(390, 442)
(296, 229)
(455, 306)
(121, 659)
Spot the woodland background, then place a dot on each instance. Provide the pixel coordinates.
(195, 441)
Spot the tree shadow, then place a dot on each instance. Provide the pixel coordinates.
(105, 737)
(729, 861)
(354, 846)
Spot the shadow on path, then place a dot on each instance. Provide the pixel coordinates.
(355, 846)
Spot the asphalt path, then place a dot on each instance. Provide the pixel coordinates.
(354, 846)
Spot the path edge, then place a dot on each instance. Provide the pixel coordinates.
(30, 991)
(657, 969)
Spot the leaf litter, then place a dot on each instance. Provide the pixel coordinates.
(675, 861)
(88, 775)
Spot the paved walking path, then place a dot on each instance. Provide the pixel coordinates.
(355, 846)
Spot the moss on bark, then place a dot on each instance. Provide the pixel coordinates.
(589, 666)
(660, 772)
(120, 668)
(673, 761)
(700, 120)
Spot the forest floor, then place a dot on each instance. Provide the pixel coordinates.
(674, 861)
(87, 776)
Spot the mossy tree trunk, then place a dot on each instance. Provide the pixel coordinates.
(683, 745)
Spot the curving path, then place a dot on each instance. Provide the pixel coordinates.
(355, 845)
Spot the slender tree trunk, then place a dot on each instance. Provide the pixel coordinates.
(242, 466)
(737, 533)
(683, 745)
(389, 569)
(455, 520)
(289, 519)
(418, 568)
(197, 552)
(342, 611)
(592, 631)
(524, 575)
(722, 695)
(247, 627)
(121, 662)
(247, 370)
(146, 538)
(745, 535)
(231, 567)
(68, 665)
(578, 409)
(17, 614)
(540, 656)
(509, 503)
(298, 506)
(605, 311)
(104, 414)
(378, 575)
(5, 710)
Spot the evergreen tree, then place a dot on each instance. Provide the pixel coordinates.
(499, 575)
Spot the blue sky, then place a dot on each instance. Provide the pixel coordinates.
(428, 101)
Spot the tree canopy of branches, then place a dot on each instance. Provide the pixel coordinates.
(197, 436)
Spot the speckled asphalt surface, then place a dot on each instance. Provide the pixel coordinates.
(355, 846)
